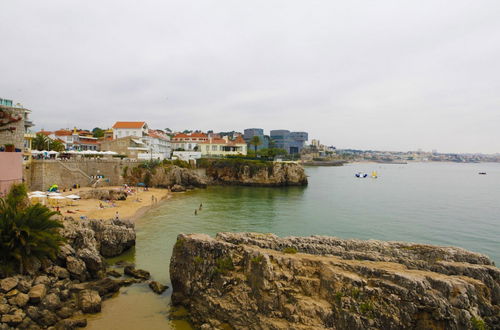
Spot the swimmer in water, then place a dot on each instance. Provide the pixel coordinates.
(195, 212)
(201, 205)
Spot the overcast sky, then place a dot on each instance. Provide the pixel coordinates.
(387, 75)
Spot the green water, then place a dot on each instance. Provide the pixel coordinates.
(436, 203)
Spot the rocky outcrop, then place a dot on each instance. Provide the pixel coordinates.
(251, 173)
(104, 194)
(261, 281)
(56, 292)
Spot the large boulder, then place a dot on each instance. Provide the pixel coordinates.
(89, 301)
(20, 300)
(37, 293)
(9, 283)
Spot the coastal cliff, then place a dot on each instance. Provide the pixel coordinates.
(255, 173)
(261, 281)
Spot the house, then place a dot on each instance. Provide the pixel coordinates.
(75, 139)
(129, 128)
(129, 146)
(188, 142)
(15, 142)
(158, 143)
(223, 147)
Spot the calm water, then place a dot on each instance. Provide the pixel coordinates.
(437, 203)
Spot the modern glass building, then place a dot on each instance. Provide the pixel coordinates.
(249, 133)
(292, 142)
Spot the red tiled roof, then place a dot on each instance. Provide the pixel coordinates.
(47, 133)
(129, 124)
(63, 132)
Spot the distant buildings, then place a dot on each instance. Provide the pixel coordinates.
(129, 128)
(249, 133)
(223, 147)
(141, 142)
(79, 140)
(292, 142)
(188, 141)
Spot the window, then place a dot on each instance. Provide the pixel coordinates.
(207, 148)
(214, 148)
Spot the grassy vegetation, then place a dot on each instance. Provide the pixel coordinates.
(27, 232)
(224, 265)
(478, 324)
(366, 307)
(257, 259)
(290, 250)
(236, 165)
(198, 260)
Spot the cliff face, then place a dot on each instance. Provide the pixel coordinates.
(259, 281)
(274, 174)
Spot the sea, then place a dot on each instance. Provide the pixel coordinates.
(447, 204)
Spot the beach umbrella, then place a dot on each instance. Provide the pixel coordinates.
(54, 194)
(37, 192)
(35, 152)
(53, 152)
(73, 197)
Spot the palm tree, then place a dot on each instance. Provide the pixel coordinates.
(41, 142)
(26, 232)
(255, 141)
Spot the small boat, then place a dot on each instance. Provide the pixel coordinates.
(361, 175)
(482, 173)
(374, 174)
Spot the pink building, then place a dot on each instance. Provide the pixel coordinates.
(11, 170)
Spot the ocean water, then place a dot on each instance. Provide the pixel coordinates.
(435, 203)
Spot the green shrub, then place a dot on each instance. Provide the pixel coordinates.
(198, 260)
(338, 297)
(290, 250)
(257, 259)
(366, 307)
(27, 232)
(478, 324)
(224, 265)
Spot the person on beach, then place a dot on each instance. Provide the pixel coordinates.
(152, 199)
(117, 217)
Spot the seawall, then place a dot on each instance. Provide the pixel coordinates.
(41, 174)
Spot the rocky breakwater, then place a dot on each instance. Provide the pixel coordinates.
(261, 281)
(59, 292)
(255, 173)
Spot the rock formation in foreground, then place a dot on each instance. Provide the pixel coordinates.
(57, 292)
(261, 281)
(252, 173)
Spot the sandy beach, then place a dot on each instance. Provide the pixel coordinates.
(132, 208)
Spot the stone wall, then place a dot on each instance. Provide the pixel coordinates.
(11, 132)
(41, 174)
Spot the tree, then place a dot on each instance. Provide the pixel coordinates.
(56, 145)
(255, 141)
(97, 132)
(41, 142)
(27, 232)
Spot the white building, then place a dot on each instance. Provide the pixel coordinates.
(129, 128)
(158, 143)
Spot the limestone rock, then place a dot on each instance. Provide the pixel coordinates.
(51, 302)
(71, 324)
(136, 273)
(89, 301)
(76, 267)
(37, 293)
(113, 273)
(9, 283)
(13, 319)
(20, 300)
(157, 287)
(177, 188)
(250, 279)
